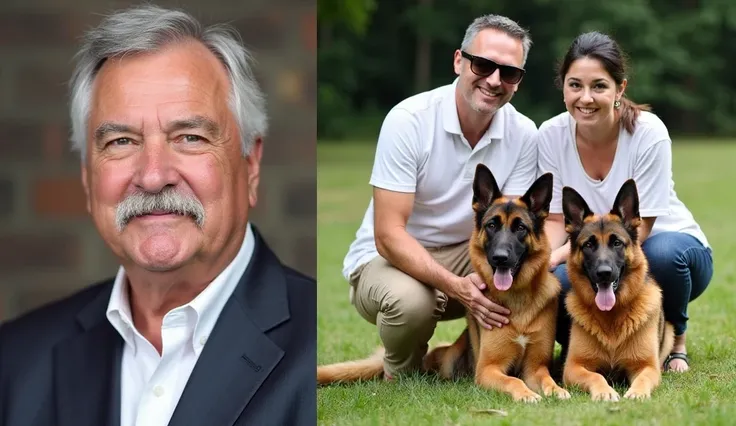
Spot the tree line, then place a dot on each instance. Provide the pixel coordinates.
(374, 53)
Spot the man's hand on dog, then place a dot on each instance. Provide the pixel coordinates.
(486, 312)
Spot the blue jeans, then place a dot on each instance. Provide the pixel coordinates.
(682, 266)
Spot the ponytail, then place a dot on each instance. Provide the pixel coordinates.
(629, 112)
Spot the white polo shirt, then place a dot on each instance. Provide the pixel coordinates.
(421, 150)
(645, 156)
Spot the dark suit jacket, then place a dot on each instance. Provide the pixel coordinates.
(60, 364)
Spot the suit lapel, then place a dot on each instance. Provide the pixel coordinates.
(238, 356)
(87, 371)
(236, 360)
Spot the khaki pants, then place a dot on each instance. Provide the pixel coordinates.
(405, 310)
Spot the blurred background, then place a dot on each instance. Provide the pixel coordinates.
(48, 245)
(374, 53)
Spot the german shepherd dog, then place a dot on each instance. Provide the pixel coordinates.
(618, 325)
(508, 248)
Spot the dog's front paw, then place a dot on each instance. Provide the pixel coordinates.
(637, 394)
(605, 394)
(527, 395)
(557, 391)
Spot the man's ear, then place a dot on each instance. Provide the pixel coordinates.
(457, 62)
(254, 170)
(85, 185)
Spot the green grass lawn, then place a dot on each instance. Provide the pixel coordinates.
(705, 174)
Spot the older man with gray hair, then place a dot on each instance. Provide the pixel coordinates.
(202, 324)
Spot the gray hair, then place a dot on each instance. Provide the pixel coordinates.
(150, 28)
(500, 23)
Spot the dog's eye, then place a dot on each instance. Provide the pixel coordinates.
(520, 228)
(588, 245)
(617, 243)
(491, 226)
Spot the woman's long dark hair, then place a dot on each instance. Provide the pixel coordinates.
(600, 46)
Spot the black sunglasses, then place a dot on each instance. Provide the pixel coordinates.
(484, 67)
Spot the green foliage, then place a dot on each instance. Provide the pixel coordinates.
(352, 14)
(681, 58)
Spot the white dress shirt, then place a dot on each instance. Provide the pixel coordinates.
(151, 384)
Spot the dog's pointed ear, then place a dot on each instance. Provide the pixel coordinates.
(539, 195)
(626, 206)
(574, 209)
(485, 188)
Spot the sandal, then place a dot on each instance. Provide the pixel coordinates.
(674, 355)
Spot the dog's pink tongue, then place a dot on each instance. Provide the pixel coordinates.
(502, 279)
(605, 299)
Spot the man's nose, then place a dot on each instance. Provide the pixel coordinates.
(155, 166)
(495, 78)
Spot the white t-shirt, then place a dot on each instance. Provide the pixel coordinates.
(645, 156)
(421, 150)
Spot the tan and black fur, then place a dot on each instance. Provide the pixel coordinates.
(509, 234)
(524, 347)
(628, 335)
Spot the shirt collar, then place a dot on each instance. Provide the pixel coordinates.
(207, 305)
(118, 309)
(451, 121)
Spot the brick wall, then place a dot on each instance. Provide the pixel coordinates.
(48, 245)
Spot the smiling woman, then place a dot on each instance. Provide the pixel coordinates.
(600, 142)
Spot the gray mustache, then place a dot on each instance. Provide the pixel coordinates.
(168, 200)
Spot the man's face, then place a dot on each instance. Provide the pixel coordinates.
(486, 95)
(160, 124)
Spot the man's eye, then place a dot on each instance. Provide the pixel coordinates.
(192, 138)
(120, 141)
